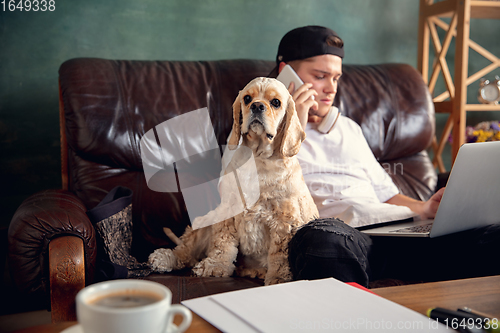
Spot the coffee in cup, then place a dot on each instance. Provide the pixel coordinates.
(129, 306)
(126, 299)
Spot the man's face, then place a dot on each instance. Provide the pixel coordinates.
(323, 72)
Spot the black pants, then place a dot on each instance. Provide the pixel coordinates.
(330, 248)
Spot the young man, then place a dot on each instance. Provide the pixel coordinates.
(315, 53)
(352, 189)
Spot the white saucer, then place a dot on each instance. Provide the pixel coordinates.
(73, 329)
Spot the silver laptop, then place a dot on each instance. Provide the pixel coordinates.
(471, 198)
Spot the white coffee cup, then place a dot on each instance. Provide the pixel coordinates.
(98, 313)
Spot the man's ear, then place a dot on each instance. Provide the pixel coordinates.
(234, 139)
(281, 66)
(293, 134)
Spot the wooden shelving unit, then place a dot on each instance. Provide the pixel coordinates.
(454, 100)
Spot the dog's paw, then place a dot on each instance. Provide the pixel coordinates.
(276, 279)
(162, 260)
(259, 273)
(210, 267)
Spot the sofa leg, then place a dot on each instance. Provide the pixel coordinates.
(67, 276)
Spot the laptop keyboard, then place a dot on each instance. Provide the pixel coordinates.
(421, 229)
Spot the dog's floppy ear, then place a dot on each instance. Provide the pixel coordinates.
(293, 134)
(234, 139)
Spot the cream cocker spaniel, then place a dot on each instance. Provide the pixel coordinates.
(266, 122)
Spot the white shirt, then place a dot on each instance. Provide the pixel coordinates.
(345, 179)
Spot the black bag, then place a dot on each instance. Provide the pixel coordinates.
(112, 219)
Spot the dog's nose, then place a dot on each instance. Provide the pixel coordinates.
(258, 107)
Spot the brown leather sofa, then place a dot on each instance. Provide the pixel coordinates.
(106, 106)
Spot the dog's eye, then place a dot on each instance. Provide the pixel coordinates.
(276, 103)
(247, 99)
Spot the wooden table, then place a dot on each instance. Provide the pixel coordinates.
(481, 294)
(198, 325)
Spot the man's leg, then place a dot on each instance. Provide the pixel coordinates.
(330, 248)
(466, 254)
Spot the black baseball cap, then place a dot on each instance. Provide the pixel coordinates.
(306, 42)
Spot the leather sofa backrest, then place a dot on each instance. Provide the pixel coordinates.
(393, 106)
(108, 105)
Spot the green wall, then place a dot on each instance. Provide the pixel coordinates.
(34, 44)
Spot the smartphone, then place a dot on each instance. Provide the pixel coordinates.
(288, 75)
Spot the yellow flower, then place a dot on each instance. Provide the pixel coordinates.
(483, 136)
(497, 136)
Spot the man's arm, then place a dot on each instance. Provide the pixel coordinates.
(426, 209)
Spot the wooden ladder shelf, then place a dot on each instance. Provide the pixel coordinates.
(454, 100)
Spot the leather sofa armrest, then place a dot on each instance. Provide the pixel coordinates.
(40, 219)
(67, 276)
(442, 180)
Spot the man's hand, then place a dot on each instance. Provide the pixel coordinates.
(430, 207)
(426, 209)
(303, 101)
